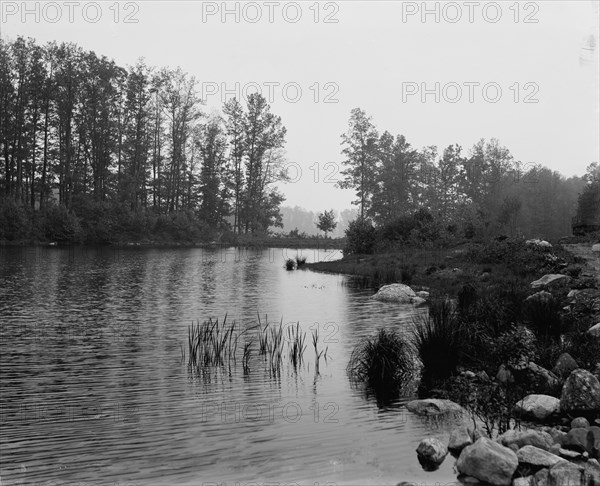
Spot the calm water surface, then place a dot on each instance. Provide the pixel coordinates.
(94, 390)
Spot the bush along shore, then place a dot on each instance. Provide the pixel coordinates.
(511, 339)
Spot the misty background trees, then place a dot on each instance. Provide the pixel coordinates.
(130, 147)
(481, 191)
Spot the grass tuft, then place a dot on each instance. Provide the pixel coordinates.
(437, 341)
(383, 362)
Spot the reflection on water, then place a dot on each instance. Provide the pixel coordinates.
(94, 389)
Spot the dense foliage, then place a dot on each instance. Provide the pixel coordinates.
(126, 149)
(484, 192)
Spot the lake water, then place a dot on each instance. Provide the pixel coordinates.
(93, 388)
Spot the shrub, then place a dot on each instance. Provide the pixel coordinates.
(57, 223)
(515, 347)
(543, 316)
(488, 401)
(290, 264)
(14, 221)
(383, 362)
(467, 296)
(360, 237)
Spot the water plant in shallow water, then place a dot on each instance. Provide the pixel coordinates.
(296, 340)
(437, 341)
(383, 362)
(214, 343)
(290, 264)
(300, 261)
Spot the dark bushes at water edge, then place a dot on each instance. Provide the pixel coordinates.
(300, 261)
(101, 222)
(438, 341)
(383, 362)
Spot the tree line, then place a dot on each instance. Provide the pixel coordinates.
(484, 190)
(80, 131)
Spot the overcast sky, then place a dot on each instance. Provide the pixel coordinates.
(520, 72)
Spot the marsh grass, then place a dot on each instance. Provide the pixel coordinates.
(297, 346)
(212, 342)
(217, 344)
(383, 362)
(438, 340)
(300, 261)
(290, 264)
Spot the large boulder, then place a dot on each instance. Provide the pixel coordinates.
(521, 438)
(549, 279)
(459, 439)
(538, 379)
(579, 439)
(534, 456)
(591, 472)
(434, 406)
(488, 461)
(537, 407)
(565, 473)
(580, 422)
(431, 452)
(581, 394)
(399, 293)
(565, 365)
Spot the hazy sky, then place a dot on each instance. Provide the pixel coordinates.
(509, 70)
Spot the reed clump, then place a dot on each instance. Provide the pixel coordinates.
(217, 343)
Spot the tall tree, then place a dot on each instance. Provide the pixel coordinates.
(234, 113)
(361, 156)
(264, 136)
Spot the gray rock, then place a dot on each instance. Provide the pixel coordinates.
(549, 279)
(399, 293)
(534, 456)
(521, 438)
(581, 394)
(579, 439)
(431, 453)
(594, 331)
(469, 481)
(565, 365)
(504, 375)
(488, 461)
(580, 423)
(423, 294)
(537, 407)
(565, 473)
(540, 379)
(541, 296)
(591, 472)
(526, 481)
(557, 435)
(538, 242)
(459, 439)
(434, 406)
(569, 454)
(596, 248)
(540, 478)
